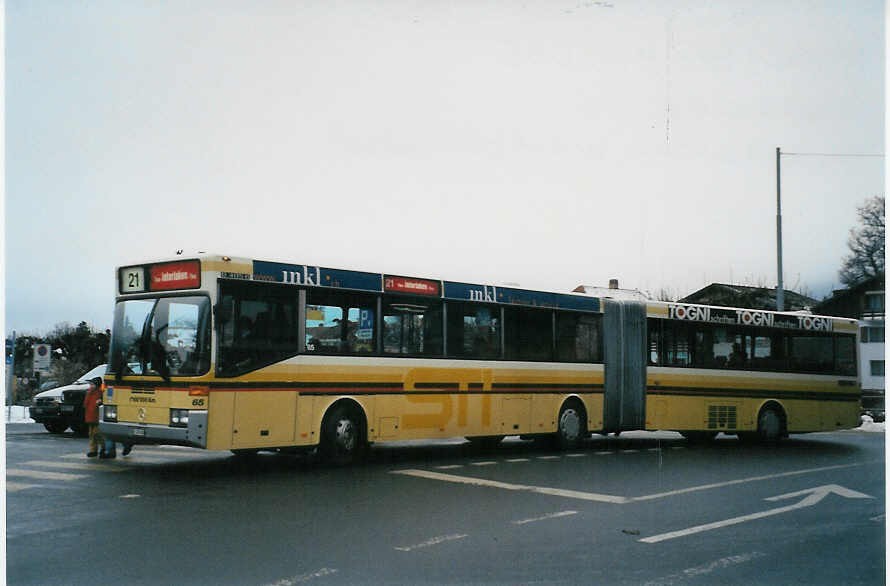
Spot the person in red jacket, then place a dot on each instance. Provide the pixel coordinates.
(91, 402)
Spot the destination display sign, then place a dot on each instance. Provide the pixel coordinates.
(749, 317)
(175, 275)
(411, 285)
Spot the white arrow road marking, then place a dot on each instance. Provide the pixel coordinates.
(814, 496)
(606, 498)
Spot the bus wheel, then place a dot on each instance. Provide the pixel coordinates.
(55, 427)
(770, 425)
(571, 427)
(341, 440)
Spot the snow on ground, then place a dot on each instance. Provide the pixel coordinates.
(868, 424)
(19, 414)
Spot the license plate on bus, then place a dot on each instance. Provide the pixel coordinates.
(139, 432)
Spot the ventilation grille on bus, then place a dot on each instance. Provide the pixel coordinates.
(721, 417)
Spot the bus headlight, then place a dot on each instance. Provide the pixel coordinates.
(111, 413)
(179, 417)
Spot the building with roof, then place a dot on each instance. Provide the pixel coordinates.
(612, 292)
(746, 297)
(865, 302)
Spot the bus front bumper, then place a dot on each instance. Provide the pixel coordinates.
(195, 435)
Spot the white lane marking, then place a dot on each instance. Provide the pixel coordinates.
(515, 460)
(742, 481)
(576, 455)
(76, 465)
(43, 475)
(587, 496)
(304, 578)
(482, 463)
(449, 467)
(605, 453)
(708, 568)
(654, 450)
(813, 497)
(549, 457)
(629, 451)
(433, 541)
(545, 517)
(17, 486)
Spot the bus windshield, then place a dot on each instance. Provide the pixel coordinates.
(167, 336)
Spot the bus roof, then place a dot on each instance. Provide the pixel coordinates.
(179, 272)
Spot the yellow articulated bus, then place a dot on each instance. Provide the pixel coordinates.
(226, 353)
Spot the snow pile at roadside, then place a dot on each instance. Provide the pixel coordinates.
(868, 424)
(17, 414)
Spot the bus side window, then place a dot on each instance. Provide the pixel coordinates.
(578, 337)
(412, 326)
(845, 354)
(261, 330)
(340, 323)
(653, 327)
(529, 333)
(474, 330)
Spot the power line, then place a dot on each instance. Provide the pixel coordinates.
(832, 154)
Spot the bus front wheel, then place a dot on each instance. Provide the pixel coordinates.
(341, 440)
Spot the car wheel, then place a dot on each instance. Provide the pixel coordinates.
(55, 427)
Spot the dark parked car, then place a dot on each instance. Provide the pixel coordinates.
(62, 407)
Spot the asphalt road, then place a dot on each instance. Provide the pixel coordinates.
(639, 509)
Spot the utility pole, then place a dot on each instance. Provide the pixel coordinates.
(780, 292)
(10, 373)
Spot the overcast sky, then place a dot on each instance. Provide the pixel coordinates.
(548, 143)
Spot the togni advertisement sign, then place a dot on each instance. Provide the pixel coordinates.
(749, 317)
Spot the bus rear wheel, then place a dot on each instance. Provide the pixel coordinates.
(341, 436)
(770, 427)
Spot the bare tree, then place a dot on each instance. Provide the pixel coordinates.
(866, 242)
